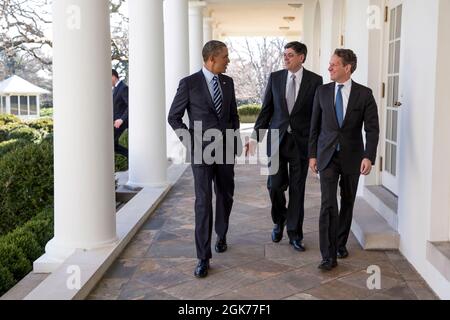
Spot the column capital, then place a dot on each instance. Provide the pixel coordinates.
(196, 6)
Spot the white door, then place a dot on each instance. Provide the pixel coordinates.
(391, 101)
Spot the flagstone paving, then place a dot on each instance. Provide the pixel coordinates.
(159, 262)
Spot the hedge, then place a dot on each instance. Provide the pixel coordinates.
(8, 118)
(44, 124)
(121, 162)
(249, 113)
(10, 145)
(19, 248)
(26, 184)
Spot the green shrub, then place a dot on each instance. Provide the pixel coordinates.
(8, 118)
(25, 133)
(46, 112)
(249, 110)
(14, 259)
(25, 241)
(9, 145)
(44, 124)
(121, 161)
(6, 129)
(6, 279)
(26, 184)
(41, 226)
(19, 248)
(249, 113)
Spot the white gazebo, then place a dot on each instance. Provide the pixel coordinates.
(20, 98)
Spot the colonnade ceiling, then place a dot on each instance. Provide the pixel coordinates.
(256, 17)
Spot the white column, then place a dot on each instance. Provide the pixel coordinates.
(83, 134)
(196, 35)
(147, 133)
(8, 104)
(309, 10)
(176, 35)
(207, 29)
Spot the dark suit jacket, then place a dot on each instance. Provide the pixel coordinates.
(194, 97)
(275, 115)
(326, 134)
(120, 102)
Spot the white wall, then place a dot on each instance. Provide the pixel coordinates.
(418, 89)
(326, 45)
(357, 37)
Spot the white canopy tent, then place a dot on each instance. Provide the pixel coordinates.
(20, 97)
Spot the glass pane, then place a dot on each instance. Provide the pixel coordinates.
(397, 57)
(389, 95)
(395, 92)
(33, 105)
(392, 25)
(2, 105)
(391, 58)
(389, 125)
(387, 161)
(15, 105)
(394, 125)
(398, 29)
(394, 160)
(23, 106)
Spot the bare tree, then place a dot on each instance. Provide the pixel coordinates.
(22, 31)
(254, 60)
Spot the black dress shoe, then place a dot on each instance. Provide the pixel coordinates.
(221, 245)
(297, 244)
(342, 253)
(277, 232)
(201, 270)
(327, 264)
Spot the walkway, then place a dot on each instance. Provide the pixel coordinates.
(160, 261)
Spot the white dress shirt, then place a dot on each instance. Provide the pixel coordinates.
(298, 81)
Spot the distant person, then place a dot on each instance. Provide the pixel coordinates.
(120, 104)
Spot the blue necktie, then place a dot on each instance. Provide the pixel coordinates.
(217, 96)
(339, 109)
(339, 105)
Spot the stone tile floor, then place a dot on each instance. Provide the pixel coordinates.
(158, 264)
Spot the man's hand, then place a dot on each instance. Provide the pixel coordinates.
(366, 166)
(313, 165)
(250, 147)
(118, 123)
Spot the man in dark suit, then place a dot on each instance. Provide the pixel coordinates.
(287, 107)
(337, 151)
(208, 97)
(120, 113)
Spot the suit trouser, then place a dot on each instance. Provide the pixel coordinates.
(223, 177)
(292, 173)
(334, 224)
(118, 148)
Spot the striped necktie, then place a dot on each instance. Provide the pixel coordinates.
(217, 98)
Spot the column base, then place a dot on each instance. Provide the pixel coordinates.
(55, 254)
(135, 185)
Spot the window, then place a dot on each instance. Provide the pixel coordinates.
(33, 105)
(23, 106)
(15, 105)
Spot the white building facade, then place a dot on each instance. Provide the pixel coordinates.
(402, 46)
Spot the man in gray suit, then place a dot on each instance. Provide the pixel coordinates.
(287, 107)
